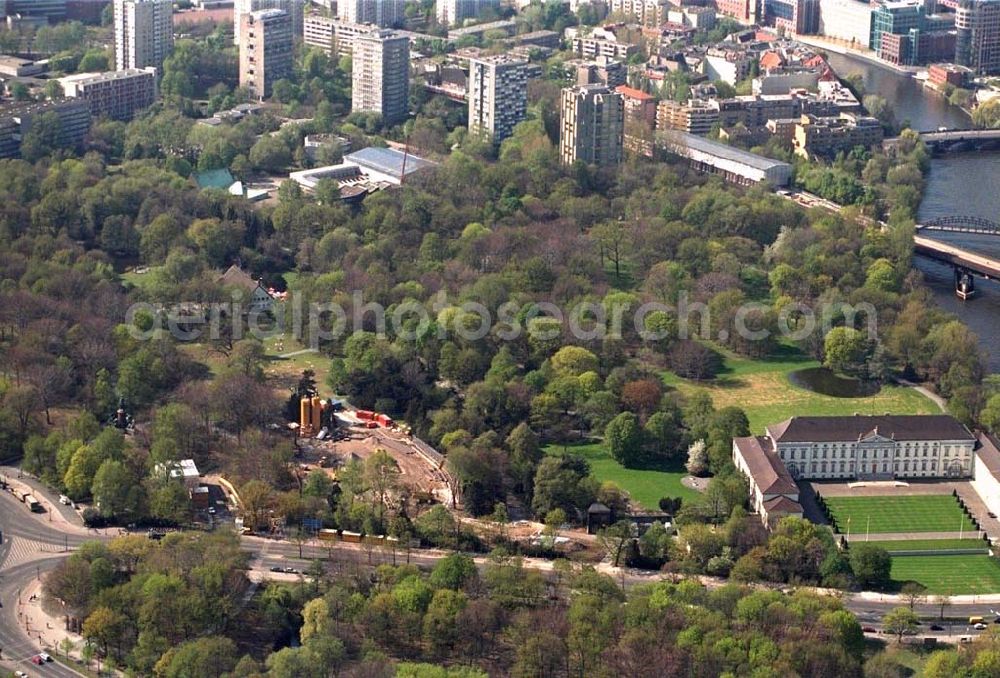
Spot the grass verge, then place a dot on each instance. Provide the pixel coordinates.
(949, 575)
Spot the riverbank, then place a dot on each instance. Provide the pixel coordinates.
(867, 55)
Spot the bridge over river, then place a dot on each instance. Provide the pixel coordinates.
(956, 140)
(967, 264)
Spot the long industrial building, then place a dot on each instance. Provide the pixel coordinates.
(735, 166)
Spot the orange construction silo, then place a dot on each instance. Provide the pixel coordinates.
(317, 414)
(305, 415)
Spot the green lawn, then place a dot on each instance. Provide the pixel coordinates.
(929, 545)
(902, 513)
(951, 575)
(761, 388)
(646, 487)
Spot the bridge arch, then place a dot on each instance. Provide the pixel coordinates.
(961, 224)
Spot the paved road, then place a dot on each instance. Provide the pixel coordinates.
(30, 548)
(32, 545)
(41, 491)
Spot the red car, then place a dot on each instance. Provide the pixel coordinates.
(37, 660)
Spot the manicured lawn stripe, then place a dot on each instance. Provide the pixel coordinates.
(899, 513)
(646, 486)
(950, 575)
(929, 545)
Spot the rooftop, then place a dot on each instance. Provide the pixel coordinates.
(265, 14)
(768, 472)
(388, 161)
(845, 428)
(782, 504)
(237, 277)
(988, 451)
(633, 93)
(217, 178)
(720, 150)
(107, 75)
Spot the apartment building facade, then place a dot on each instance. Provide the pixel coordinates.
(977, 44)
(498, 96)
(382, 13)
(265, 50)
(380, 81)
(454, 12)
(118, 95)
(294, 8)
(144, 33)
(592, 125)
(824, 137)
(333, 36)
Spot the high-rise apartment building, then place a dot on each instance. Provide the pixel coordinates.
(592, 125)
(118, 95)
(380, 81)
(382, 13)
(977, 44)
(454, 12)
(498, 96)
(295, 9)
(265, 50)
(144, 33)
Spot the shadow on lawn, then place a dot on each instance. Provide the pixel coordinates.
(593, 450)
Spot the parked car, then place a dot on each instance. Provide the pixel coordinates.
(64, 500)
(991, 514)
(45, 656)
(37, 660)
(275, 568)
(868, 629)
(980, 626)
(937, 627)
(21, 674)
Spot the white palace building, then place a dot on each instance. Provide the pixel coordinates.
(851, 448)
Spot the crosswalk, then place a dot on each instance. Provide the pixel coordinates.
(21, 550)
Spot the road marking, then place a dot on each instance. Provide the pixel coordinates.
(24, 550)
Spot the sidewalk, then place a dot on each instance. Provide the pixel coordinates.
(45, 629)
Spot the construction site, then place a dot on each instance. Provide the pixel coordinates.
(331, 434)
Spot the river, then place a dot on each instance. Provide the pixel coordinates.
(958, 184)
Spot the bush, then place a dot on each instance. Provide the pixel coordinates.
(692, 360)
